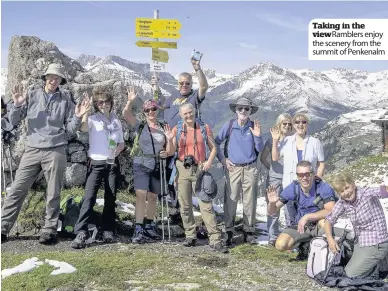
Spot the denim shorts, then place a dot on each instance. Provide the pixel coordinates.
(146, 179)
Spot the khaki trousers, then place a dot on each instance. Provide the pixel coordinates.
(242, 180)
(53, 163)
(186, 185)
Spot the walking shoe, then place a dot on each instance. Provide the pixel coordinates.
(190, 242)
(219, 247)
(272, 243)
(151, 231)
(107, 236)
(248, 237)
(139, 237)
(229, 240)
(4, 238)
(48, 238)
(80, 240)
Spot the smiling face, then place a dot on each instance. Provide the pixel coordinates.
(305, 176)
(348, 192)
(52, 82)
(285, 126)
(243, 112)
(104, 105)
(187, 113)
(300, 125)
(185, 83)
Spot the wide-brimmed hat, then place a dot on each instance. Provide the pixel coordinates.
(244, 101)
(56, 69)
(205, 187)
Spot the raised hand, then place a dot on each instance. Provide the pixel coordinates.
(19, 95)
(168, 132)
(132, 93)
(256, 131)
(272, 194)
(275, 134)
(83, 107)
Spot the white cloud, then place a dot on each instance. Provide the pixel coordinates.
(247, 45)
(285, 21)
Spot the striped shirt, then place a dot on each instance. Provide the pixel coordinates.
(366, 215)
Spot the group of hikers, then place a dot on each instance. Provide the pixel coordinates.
(294, 159)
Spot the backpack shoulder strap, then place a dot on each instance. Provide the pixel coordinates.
(296, 195)
(179, 129)
(228, 133)
(202, 125)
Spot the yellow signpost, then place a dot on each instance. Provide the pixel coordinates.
(156, 44)
(146, 24)
(159, 55)
(157, 34)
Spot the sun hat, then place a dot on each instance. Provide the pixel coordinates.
(244, 101)
(56, 69)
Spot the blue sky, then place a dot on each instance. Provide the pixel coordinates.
(233, 36)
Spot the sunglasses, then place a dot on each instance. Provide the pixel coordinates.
(99, 103)
(287, 123)
(300, 121)
(243, 108)
(307, 175)
(184, 83)
(150, 109)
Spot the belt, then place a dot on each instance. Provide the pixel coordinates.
(246, 164)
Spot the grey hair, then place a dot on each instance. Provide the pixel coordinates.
(305, 164)
(187, 105)
(186, 75)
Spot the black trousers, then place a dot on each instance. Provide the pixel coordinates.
(98, 171)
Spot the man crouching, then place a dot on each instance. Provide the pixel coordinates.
(313, 200)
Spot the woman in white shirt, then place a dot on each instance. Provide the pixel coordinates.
(295, 148)
(105, 143)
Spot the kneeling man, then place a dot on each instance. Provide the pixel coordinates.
(313, 200)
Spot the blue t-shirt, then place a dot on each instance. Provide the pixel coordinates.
(172, 104)
(305, 203)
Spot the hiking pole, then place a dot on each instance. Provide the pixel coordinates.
(165, 193)
(4, 192)
(161, 191)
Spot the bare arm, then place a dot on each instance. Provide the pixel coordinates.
(275, 150)
(84, 123)
(203, 85)
(127, 114)
(213, 149)
(264, 157)
(320, 169)
(321, 214)
(119, 149)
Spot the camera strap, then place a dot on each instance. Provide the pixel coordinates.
(153, 145)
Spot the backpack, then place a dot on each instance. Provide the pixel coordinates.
(136, 149)
(228, 133)
(202, 125)
(320, 257)
(69, 212)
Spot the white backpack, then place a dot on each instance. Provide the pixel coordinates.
(320, 257)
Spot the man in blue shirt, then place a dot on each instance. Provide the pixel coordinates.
(313, 200)
(243, 143)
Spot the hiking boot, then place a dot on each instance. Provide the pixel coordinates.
(139, 237)
(4, 238)
(303, 252)
(229, 240)
(151, 231)
(48, 238)
(107, 236)
(219, 247)
(80, 240)
(190, 242)
(248, 237)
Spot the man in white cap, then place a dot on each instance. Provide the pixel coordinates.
(51, 115)
(243, 142)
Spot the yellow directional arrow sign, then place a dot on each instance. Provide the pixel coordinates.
(157, 34)
(156, 44)
(159, 55)
(157, 24)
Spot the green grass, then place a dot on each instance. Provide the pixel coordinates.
(104, 269)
